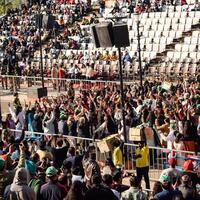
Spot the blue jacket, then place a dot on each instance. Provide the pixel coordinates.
(167, 194)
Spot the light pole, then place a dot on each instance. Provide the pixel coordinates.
(139, 52)
(122, 94)
(40, 44)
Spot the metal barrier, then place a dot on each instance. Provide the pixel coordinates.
(15, 83)
(158, 156)
(157, 159)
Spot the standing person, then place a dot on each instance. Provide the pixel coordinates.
(117, 154)
(52, 190)
(102, 5)
(59, 152)
(142, 163)
(61, 74)
(98, 191)
(35, 183)
(19, 189)
(186, 188)
(168, 192)
(16, 102)
(48, 122)
(91, 168)
(108, 180)
(75, 192)
(19, 118)
(171, 172)
(54, 76)
(134, 192)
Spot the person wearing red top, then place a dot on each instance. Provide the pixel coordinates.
(61, 75)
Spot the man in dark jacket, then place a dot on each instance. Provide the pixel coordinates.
(37, 124)
(168, 192)
(52, 190)
(98, 191)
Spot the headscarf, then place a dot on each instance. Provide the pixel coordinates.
(20, 179)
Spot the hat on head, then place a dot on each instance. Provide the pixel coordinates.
(164, 179)
(172, 161)
(188, 165)
(2, 163)
(30, 166)
(15, 155)
(198, 106)
(51, 171)
(62, 116)
(36, 116)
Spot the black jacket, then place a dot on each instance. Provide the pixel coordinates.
(100, 192)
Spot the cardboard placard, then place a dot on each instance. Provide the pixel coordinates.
(106, 145)
(166, 85)
(148, 133)
(134, 134)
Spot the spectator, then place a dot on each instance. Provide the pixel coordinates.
(91, 168)
(117, 155)
(157, 188)
(19, 189)
(43, 152)
(108, 180)
(117, 182)
(142, 163)
(188, 168)
(186, 188)
(59, 153)
(35, 183)
(168, 192)
(134, 191)
(52, 189)
(76, 191)
(171, 172)
(98, 191)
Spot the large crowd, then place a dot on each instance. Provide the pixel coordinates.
(48, 147)
(70, 164)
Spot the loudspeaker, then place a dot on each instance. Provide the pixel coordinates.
(121, 36)
(94, 36)
(105, 34)
(36, 93)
